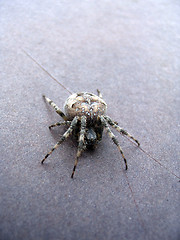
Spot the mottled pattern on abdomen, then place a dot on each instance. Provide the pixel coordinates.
(88, 104)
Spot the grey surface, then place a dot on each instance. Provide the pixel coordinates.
(130, 51)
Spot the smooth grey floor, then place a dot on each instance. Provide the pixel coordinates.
(130, 50)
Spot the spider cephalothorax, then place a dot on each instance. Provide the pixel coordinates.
(85, 116)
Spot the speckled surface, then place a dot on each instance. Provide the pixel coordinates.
(130, 51)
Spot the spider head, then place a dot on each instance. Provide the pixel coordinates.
(91, 137)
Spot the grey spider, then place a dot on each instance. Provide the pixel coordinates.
(85, 116)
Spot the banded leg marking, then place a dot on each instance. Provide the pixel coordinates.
(81, 145)
(63, 138)
(121, 130)
(60, 123)
(112, 136)
(57, 109)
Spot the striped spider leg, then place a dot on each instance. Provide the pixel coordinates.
(64, 137)
(121, 130)
(112, 136)
(81, 144)
(57, 109)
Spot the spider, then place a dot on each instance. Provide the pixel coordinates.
(85, 116)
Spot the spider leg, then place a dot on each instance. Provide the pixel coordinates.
(64, 137)
(99, 93)
(60, 123)
(81, 145)
(57, 109)
(121, 130)
(112, 136)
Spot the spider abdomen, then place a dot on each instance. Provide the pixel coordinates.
(84, 104)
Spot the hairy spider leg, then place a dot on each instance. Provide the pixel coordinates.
(112, 136)
(57, 109)
(81, 145)
(64, 137)
(99, 93)
(121, 130)
(67, 123)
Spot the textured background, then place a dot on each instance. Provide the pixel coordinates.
(130, 51)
